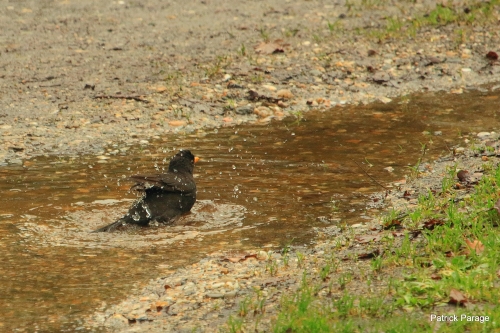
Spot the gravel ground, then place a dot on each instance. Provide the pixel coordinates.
(78, 76)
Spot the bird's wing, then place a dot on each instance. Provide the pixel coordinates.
(173, 182)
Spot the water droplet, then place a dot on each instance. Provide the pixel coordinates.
(234, 167)
(255, 199)
(148, 211)
(136, 217)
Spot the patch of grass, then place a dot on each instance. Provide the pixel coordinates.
(265, 34)
(334, 27)
(317, 38)
(214, 69)
(454, 262)
(477, 12)
(289, 32)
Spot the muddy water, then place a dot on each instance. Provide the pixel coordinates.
(259, 186)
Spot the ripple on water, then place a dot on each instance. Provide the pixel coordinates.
(206, 218)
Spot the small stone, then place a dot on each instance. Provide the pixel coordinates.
(244, 110)
(15, 161)
(269, 87)
(215, 295)
(263, 111)
(315, 72)
(483, 135)
(217, 285)
(262, 255)
(285, 94)
(116, 320)
(177, 123)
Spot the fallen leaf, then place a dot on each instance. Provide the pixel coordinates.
(492, 55)
(463, 175)
(497, 206)
(432, 223)
(269, 48)
(369, 255)
(239, 258)
(457, 297)
(393, 224)
(475, 245)
(449, 254)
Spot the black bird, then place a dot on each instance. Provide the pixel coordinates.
(165, 196)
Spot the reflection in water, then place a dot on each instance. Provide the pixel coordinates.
(257, 186)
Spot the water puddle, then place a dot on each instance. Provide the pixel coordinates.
(258, 186)
(205, 220)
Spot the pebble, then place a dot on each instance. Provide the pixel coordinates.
(263, 111)
(483, 135)
(285, 94)
(244, 110)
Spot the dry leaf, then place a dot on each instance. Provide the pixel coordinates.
(432, 223)
(463, 175)
(492, 55)
(239, 258)
(474, 245)
(269, 48)
(497, 206)
(457, 297)
(369, 255)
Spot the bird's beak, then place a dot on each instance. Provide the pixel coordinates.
(196, 159)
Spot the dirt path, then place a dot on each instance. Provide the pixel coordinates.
(78, 76)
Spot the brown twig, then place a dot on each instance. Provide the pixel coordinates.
(135, 98)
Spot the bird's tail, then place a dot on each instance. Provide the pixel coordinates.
(111, 227)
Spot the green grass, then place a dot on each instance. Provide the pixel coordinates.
(478, 12)
(459, 256)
